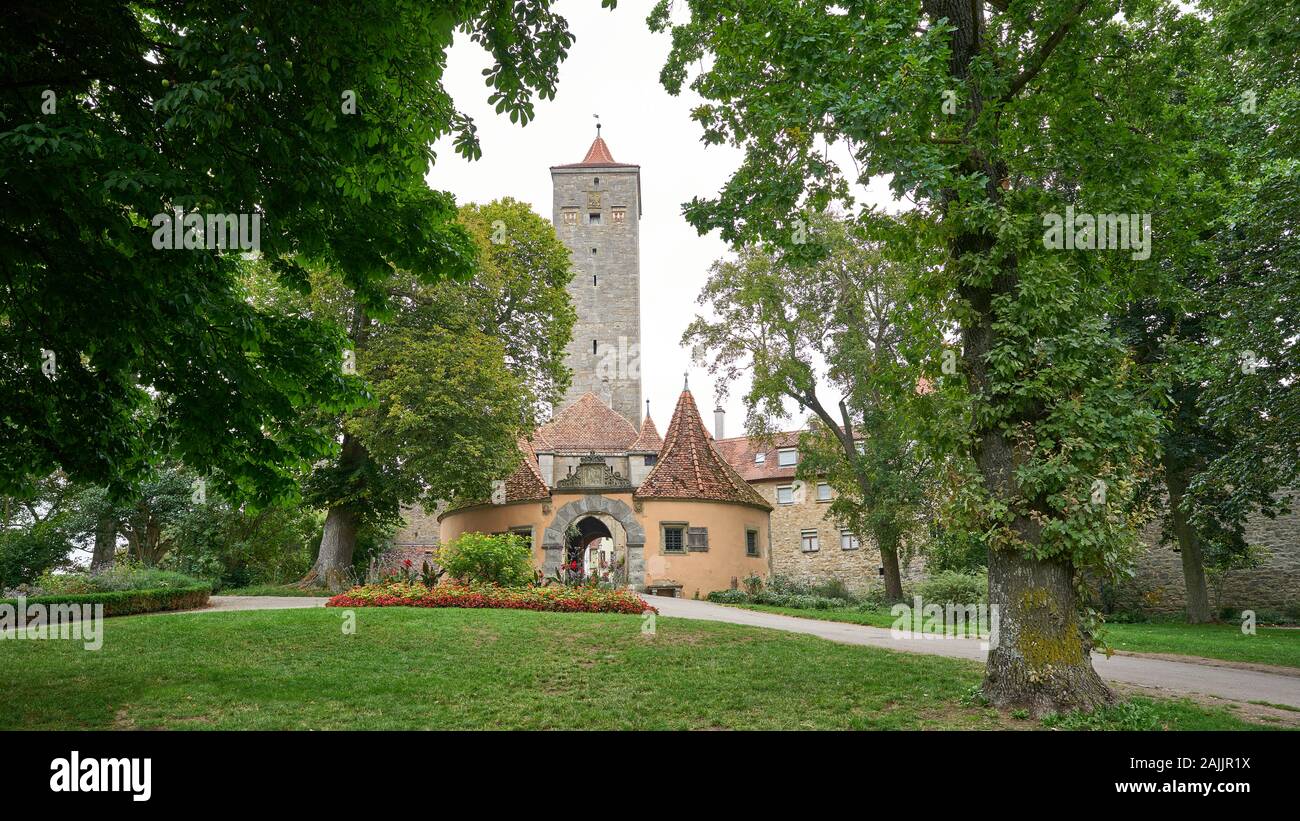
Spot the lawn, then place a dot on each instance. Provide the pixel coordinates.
(1270, 645)
(496, 669)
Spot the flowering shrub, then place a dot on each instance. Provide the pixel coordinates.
(556, 599)
(502, 559)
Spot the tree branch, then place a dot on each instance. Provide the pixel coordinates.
(1036, 63)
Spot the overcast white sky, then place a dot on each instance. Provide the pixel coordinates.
(612, 70)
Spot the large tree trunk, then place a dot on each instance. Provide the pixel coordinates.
(1189, 545)
(101, 560)
(333, 568)
(1042, 659)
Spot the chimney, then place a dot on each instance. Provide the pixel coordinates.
(718, 416)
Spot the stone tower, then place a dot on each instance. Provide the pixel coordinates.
(597, 214)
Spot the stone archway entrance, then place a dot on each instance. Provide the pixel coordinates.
(592, 547)
(599, 509)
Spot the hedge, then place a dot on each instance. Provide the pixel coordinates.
(128, 602)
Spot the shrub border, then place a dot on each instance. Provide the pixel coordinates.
(131, 602)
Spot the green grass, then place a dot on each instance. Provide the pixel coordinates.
(492, 669)
(271, 590)
(1270, 645)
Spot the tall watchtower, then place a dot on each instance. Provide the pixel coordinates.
(597, 214)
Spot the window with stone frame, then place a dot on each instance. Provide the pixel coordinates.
(674, 538)
(751, 542)
(848, 541)
(823, 492)
(697, 539)
(617, 215)
(785, 495)
(787, 457)
(808, 541)
(593, 218)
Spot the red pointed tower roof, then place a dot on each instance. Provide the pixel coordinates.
(648, 438)
(598, 156)
(689, 467)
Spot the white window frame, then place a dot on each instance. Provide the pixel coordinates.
(760, 458)
(853, 542)
(805, 546)
(780, 488)
(783, 453)
(820, 497)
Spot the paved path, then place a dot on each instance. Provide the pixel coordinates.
(1177, 676)
(1164, 674)
(260, 603)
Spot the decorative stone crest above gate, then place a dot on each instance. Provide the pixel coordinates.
(593, 474)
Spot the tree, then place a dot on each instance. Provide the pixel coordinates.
(1222, 340)
(992, 117)
(795, 325)
(458, 372)
(314, 123)
(35, 534)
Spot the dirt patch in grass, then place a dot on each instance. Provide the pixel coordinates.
(1256, 712)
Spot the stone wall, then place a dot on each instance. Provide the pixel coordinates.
(606, 286)
(1158, 586)
(859, 568)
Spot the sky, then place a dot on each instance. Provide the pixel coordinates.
(612, 70)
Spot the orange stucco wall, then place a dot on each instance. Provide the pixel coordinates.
(714, 569)
(698, 573)
(498, 519)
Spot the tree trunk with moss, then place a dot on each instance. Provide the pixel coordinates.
(101, 559)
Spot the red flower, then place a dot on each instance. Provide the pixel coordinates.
(407, 562)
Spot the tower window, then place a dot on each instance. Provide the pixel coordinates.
(593, 346)
(596, 181)
(593, 218)
(593, 250)
(593, 279)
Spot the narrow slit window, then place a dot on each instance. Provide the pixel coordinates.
(593, 346)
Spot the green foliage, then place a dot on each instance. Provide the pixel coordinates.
(502, 559)
(120, 577)
(954, 587)
(222, 109)
(27, 553)
(236, 546)
(130, 602)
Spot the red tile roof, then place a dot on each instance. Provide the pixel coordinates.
(586, 425)
(598, 156)
(739, 451)
(689, 466)
(648, 439)
(526, 483)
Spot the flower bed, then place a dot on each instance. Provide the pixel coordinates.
(555, 599)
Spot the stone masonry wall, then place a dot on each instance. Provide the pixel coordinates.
(859, 569)
(608, 307)
(1158, 586)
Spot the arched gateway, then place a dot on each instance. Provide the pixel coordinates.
(553, 538)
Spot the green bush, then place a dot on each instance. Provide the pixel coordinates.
(26, 554)
(503, 559)
(729, 597)
(127, 602)
(123, 577)
(954, 587)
